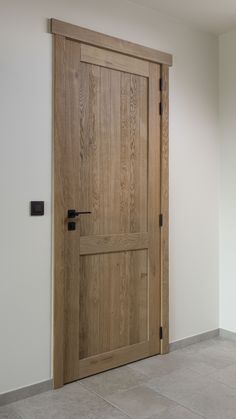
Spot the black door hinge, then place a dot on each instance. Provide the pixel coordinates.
(161, 85)
(161, 220)
(161, 332)
(160, 108)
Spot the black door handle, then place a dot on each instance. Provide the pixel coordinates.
(72, 213)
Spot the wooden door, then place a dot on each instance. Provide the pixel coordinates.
(108, 161)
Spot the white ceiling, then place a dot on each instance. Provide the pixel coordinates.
(215, 16)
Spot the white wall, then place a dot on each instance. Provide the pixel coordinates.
(227, 58)
(26, 144)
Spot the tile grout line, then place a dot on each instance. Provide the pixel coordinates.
(223, 384)
(190, 410)
(143, 384)
(223, 350)
(120, 391)
(180, 404)
(11, 395)
(108, 402)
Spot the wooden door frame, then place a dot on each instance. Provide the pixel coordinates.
(61, 31)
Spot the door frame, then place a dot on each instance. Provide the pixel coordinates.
(61, 31)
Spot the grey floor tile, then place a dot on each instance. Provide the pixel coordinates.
(179, 384)
(71, 402)
(200, 394)
(227, 345)
(158, 366)
(225, 348)
(213, 402)
(140, 402)
(7, 412)
(205, 360)
(209, 359)
(115, 380)
(215, 347)
(197, 381)
(178, 412)
(197, 347)
(201, 366)
(226, 376)
(216, 359)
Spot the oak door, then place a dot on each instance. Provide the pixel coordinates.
(109, 160)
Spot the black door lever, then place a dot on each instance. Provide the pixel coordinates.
(72, 213)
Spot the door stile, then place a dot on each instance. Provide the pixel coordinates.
(154, 208)
(59, 248)
(165, 209)
(72, 238)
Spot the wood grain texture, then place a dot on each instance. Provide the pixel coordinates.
(111, 158)
(113, 151)
(114, 60)
(113, 301)
(91, 245)
(154, 161)
(71, 200)
(108, 42)
(165, 211)
(59, 255)
(119, 292)
(105, 361)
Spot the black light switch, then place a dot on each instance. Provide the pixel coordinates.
(37, 208)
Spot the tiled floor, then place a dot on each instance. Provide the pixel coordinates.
(196, 382)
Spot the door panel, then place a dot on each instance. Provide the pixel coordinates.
(111, 167)
(113, 301)
(113, 151)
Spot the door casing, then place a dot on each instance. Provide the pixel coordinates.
(61, 31)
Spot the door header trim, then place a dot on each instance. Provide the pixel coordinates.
(111, 43)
